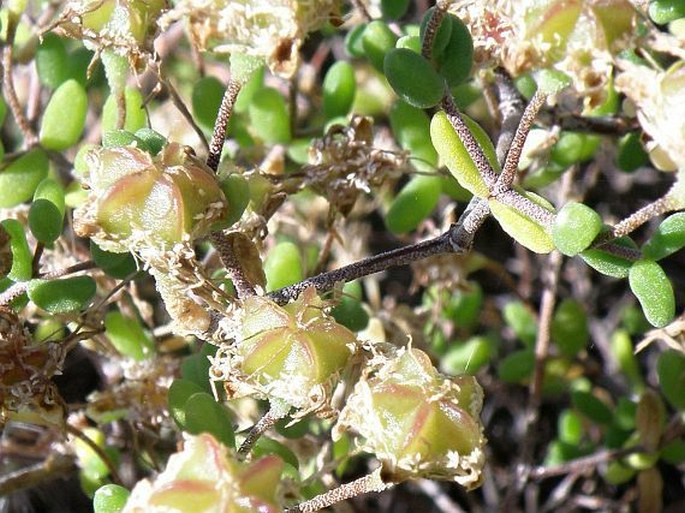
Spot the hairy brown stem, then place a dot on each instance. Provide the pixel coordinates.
(265, 423)
(637, 219)
(221, 125)
(510, 168)
(55, 465)
(234, 270)
(432, 29)
(366, 484)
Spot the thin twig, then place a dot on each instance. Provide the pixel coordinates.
(609, 125)
(55, 465)
(581, 464)
(116, 478)
(458, 239)
(30, 137)
(178, 103)
(221, 125)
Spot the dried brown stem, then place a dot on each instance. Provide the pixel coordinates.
(55, 465)
(221, 125)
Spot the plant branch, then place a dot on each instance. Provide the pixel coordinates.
(55, 465)
(605, 125)
(366, 484)
(458, 239)
(221, 126)
(265, 423)
(581, 465)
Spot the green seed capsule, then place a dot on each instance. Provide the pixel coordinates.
(64, 117)
(269, 116)
(206, 99)
(575, 227)
(668, 238)
(651, 286)
(19, 179)
(339, 88)
(403, 68)
(413, 204)
(62, 296)
(377, 39)
(52, 61)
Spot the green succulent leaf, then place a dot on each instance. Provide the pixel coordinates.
(62, 296)
(19, 178)
(204, 415)
(522, 228)
(454, 155)
(64, 117)
(671, 371)
(575, 227)
(651, 286)
(413, 203)
(402, 67)
(128, 336)
(668, 238)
